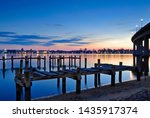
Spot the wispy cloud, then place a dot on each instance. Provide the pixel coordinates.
(13, 38)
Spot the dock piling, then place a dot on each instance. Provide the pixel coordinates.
(64, 82)
(120, 73)
(78, 81)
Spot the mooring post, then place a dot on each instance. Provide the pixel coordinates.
(18, 87)
(113, 76)
(80, 61)
(95, 78)
(63, 60)
(85, 63)
(3, 63)
(58, 64)
(30, 61)
(50, 63)
(69, 62)
(27, 86)
(26, 62)
(99, 76)
(120, 72)
(75, 61)
(64, 81)
(39, 62)
(44, 62)
(78, 81)
(12, 62)
(21, 64)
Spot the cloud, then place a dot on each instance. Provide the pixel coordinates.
(13, 38)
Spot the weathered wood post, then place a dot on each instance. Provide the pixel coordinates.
(80, 61)
(64, 81)
(58, 64)
(4, 63)
(78, 81)
(96, 75)
(113, 76)
(44, 62)
(120, 73)
(30, 61)
(63, 60)
(12, 62)
(26, 62)
(85, 66)
(27, 86)
(50, 63)
(39, 62)
(75, 61)
(58, 69)
(18, 86)
(69, 62)
(21, 64)
(99, 76)
(85, 63)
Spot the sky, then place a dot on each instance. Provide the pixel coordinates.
(71, 24)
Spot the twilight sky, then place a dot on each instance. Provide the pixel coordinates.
(70, 24)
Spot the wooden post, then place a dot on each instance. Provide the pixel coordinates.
(113, 76)
(69, 62)
(80, 61)
(99, 76)
(39, 62)
(78, 81)
(64, 82)
(26, 62)
(30, 61)
(85, 63)
(95, 79)
(12, 62)
(18, 87)
(50, 63)
(3, 63)
(58, 64)
(44, 62)
(75, 61)
(85, 66)
(120, 73)
(27, 86)
(21, 64)
(63, 60)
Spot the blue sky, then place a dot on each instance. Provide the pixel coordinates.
(70, 24)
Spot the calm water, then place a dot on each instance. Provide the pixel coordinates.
(49, 87)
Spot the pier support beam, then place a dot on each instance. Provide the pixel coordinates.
(27, 86)
(64, 82)
(120, 73)
(78, 81)
(113, 76)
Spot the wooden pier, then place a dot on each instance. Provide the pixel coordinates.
(54, 62)
(32, 74)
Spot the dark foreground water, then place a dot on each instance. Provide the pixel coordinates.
(49, 87)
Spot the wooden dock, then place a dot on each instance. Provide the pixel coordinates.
(32, 74)
(54, 62)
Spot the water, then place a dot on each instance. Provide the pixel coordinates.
(49, 87)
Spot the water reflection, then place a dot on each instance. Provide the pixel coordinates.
(54, 87)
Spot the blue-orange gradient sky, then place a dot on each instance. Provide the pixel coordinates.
(70, 24)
